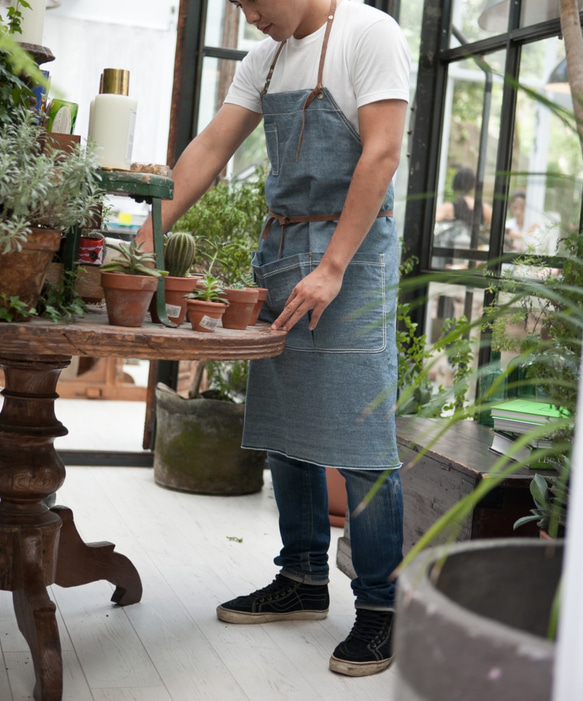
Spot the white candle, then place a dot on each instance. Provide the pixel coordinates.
(33, 21)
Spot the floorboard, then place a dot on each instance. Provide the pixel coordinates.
(192, 552)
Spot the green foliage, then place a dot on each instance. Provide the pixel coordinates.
(227, 380)
(15, 66)
(416, 357)
(208, 289)
(12, 308)
(132, 260)
(226, 223)
(60, 302)
(550, 496)
(42, 186)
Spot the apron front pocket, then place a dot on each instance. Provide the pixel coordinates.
(279, 278)
(356, 321)
(272, 146)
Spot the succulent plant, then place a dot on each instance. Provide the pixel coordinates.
(179, 252)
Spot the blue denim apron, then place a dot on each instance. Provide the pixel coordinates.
(329, 397)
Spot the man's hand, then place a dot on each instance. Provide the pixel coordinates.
(314, 293)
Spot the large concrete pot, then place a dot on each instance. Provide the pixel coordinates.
(477, 632)
(198, 446)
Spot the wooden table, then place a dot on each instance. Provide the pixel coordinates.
(41, 546)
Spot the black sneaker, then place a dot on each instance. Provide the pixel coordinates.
(368, 648)
(282, 600)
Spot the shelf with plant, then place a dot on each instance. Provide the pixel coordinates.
(44, 192)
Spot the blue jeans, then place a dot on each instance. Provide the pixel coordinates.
(376, 533)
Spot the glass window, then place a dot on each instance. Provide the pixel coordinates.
(545, 188)
(468, 164)
(478, 19)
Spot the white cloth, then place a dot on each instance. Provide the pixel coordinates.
(367, 60)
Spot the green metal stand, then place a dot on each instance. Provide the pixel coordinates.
(152, 189)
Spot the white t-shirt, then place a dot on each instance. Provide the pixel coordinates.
(367, 60)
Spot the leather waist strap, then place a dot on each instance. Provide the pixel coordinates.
(303, 218)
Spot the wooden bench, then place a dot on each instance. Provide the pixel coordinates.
(450, 470)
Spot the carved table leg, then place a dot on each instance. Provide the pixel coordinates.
(80, 563)
(31, 470)
(37, 549)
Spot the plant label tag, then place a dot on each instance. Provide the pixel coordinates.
(207, 322)
(173, 310)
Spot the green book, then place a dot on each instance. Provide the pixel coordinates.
(527, 410)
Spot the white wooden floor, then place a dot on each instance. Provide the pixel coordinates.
(192, 552)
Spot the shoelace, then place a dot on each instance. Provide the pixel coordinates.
(370, 625)
(279, 585)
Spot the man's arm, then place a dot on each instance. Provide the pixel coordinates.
(200, 164)
(381, 131)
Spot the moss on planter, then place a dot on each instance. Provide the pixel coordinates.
(198, 447)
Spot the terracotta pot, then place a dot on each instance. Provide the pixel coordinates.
(175, 289)
(204, 316)
(241, 306)
(22, 273)
(262, 292)
(127, 297)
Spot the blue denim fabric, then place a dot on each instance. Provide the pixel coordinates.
(375, 534)
(329, 398)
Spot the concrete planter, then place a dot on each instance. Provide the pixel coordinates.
(477, 632)
(198, 447)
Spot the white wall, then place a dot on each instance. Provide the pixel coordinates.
(139, 35)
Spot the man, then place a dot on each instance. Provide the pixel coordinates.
(331, 84)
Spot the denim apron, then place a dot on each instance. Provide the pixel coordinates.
(328, 399)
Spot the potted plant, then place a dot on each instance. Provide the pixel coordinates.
(129, 281)
(198, 437)
(43, 192)
(179, 256)
(226, 223)
(206, 304)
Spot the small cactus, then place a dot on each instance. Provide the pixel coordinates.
(179, 251)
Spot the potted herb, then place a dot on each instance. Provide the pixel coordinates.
(179, 256)
(129, 281)
(206, 304)
(43, 192)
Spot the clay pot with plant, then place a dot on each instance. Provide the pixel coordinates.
(44, 192)
(206, 304)
(129, 281)
(179, 257)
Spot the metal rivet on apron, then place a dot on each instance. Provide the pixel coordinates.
(320, 96)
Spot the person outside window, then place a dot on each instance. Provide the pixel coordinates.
(331, 83)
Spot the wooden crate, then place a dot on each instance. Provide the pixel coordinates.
(453, 468)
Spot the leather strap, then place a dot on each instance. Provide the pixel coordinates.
(318, 89)
(283, 221)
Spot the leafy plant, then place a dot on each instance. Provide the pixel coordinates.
(42, 186)
(132, 260)
(226, 223)
(550, 496)
(13, 308)
(60, 301)
(208, 289)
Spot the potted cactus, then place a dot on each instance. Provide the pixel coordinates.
(129, 281)
(179, 255)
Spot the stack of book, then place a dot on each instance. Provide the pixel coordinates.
(516, 417)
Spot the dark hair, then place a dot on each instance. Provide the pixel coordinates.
(518, 194)
(464, 180)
